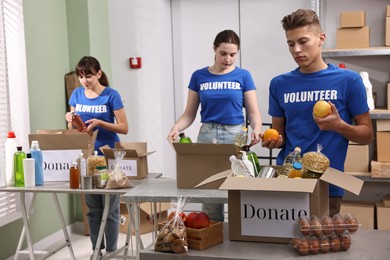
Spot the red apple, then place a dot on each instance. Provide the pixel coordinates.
(182, 215)
(201, 220)
(190, 218)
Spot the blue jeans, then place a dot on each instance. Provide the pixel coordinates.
(219, 134)
(95, 205)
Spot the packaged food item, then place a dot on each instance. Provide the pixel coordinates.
(351, 223)
(93, 161)
(100, 177)
(327, 225)
(184, 138)
(78, 122)
(294, 156)
(117, 179)
(74, 176)
(315, 226)
(315, 163)
(304, 225)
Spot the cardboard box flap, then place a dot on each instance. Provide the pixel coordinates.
(53, 142)
(133, 150)
(345, 181)
(204, 149)
(215, 177)
(140, 147)
(269, 184)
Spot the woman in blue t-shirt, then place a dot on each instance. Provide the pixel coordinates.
(100, 107)
(222, 91)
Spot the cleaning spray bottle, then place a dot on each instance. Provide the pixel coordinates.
(248, 164)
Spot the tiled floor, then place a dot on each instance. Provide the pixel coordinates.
(82, 248)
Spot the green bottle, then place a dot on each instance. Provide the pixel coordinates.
(184, 138)
(18, 167)
(252, 157)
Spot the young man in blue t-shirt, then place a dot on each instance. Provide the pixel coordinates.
(293, 95)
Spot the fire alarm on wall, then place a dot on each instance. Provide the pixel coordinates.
(135, 62)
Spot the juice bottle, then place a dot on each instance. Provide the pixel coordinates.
(296, 170)
(241, 139)
(74, 177)
(18, 167)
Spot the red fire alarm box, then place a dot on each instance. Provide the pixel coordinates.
(135, 62)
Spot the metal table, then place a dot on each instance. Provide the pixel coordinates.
(164, 190)
(63, 187)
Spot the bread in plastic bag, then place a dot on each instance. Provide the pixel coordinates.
(172, 237)
(117, 179)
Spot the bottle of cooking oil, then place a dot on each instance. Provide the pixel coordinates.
(296, 170)
(241, 138)
(294, 156)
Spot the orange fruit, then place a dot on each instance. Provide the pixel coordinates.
(270, 134)
(322, 109)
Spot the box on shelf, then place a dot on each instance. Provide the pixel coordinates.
(386, 201)
(357, 159)
(382, 216)
(387, 32)
(146, 217)
(135, 161)
(388, 11)
(380, 169)
(363, 211)
(383, 146)
(352, 19)
(382, 125)
(349, 38)
(196, 162)
(201, 239)
(59, 148)
(267, 210)
(388, 84)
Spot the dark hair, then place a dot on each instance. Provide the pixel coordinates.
(227, 36)
(89, 65)
(301, 18)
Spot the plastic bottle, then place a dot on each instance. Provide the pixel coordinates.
(342, 65)
(10, 150)
(248, 164)
(82, 164)
(36, 154)
(74, 177)
(242, 138)
(18, 167)
(368, 85)
(238, 167)
(296, 170)
(252, 157)
(29, 171)
(294, 156)
(184, 138)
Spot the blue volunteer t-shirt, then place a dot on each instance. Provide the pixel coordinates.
(222, 96)
(293, 95)
(101, 107)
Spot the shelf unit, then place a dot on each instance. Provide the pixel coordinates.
(372, 51)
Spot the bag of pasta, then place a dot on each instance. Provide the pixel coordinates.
(117, 179)
(94, 161)
(172, 237)
(315, 163)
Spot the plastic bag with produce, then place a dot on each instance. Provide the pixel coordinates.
(117, 179)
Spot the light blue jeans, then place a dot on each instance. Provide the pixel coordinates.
(219, 134)
(95, 205)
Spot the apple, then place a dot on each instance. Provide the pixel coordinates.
(190, 218)
(182, 216)
(200, 220)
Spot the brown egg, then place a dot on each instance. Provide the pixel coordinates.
(335, 244)
(314, 246)
(304, 225)
(315, 226)
(324, 244)
(351, 223)
(345, 242)
(295, 242)
(303, 248)
(327, 225)
(338, 223)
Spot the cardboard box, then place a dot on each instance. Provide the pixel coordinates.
(382, 216)
(135, 161)
(196, 162)
(388, 84)
(201, 239)
(387, 32)
(383, 146)
(388, 11)
(380, 169)
(353, 19)
(363, 211)
(386, 201)
(357, 159)
(61, 147)
(382, 125)
(349, 38)
(267, 210)
(146, 217)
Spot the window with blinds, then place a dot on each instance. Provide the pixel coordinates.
(13, 86)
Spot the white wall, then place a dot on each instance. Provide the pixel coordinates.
(175, 37)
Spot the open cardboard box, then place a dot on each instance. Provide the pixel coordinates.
(196, 162)
(59, 148)
(135, 161)
(267, 210)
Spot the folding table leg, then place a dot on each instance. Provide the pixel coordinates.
(102, 225)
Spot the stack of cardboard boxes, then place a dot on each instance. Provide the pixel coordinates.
(353, 32)
(387, 36)
(381, 167)
(382, 213)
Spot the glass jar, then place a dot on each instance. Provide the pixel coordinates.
(78, 122)
(100, 177)
(74, 176)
